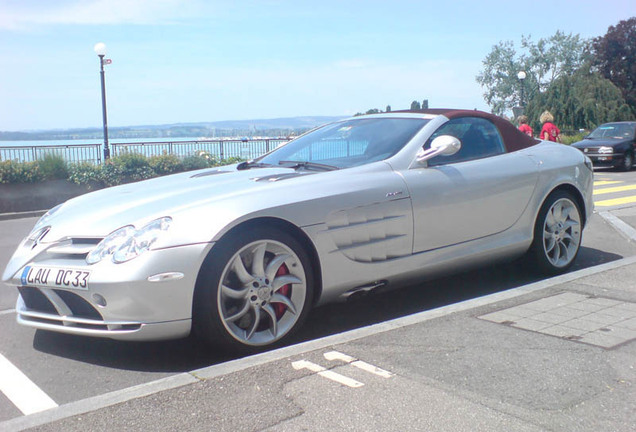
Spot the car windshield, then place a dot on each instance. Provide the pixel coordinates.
(613, 130)
(347, 144)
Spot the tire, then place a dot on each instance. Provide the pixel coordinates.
(558, 233)
(628, 161)
(254, 290)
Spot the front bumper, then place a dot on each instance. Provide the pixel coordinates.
(604, 159)
(120, 301)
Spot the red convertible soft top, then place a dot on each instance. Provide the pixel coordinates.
(513, 138)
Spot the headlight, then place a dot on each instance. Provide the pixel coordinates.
(127, 243)
(141, 241)
(605, 150)
(110, 244)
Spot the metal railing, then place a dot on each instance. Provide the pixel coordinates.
(72, 153)
(221, 149)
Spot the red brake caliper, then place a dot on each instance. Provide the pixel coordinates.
(285, 290)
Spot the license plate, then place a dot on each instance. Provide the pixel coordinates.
(55, 277)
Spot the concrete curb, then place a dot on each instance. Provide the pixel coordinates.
(20, 215)
(182, 379)
(625, 229)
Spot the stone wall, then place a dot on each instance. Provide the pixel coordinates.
(15, 198)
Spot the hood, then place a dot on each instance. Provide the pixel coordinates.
(611, 142)
(99, 213)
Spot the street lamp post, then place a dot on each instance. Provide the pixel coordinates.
(522, 76)
(100, 50)
(518, 110)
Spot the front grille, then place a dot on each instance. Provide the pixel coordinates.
(80, 307)
(74, 248)
(56, 322)
(591, 149)
(40, 307)
(35, 300)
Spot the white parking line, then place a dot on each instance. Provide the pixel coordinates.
(304, 364)
(20, 390)
(335, 355)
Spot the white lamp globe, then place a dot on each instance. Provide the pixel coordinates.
(100, 48)
(521, 75)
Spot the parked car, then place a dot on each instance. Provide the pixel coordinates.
(239, 254)
(611, 144)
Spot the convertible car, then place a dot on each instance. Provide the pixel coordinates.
(239, 254)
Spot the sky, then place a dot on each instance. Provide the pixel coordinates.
(180, 61)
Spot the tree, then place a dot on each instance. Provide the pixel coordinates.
(499, 77)
(425, 104)
(552, 58)
(615, 57)
(415, 106)
(370, 111)
(582, 100)
(388, 108)
(543, 62)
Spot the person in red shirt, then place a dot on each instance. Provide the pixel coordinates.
(549, 132)
(523, 125)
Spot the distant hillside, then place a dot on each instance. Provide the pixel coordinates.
(260, 127)
(277, 123)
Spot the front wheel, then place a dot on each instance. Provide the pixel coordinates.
(557, 233)
(628, 161)
(254, 290)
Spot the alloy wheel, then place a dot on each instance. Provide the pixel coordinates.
(562, 233)
(262, 292)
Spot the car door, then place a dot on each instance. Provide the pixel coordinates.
(477, 192)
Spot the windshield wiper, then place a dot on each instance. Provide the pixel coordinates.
(252, 164)
(307, 165)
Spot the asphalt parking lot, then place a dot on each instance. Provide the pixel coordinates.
(457, 355)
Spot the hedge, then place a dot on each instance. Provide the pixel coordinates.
(125, 168)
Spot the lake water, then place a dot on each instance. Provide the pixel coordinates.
(92, 141)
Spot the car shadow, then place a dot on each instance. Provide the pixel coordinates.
(188, 354)
(432, 294)
(179, 355)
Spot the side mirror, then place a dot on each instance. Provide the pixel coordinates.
(445, 145)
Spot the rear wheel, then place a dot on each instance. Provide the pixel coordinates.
(254, 290)
(557, 233)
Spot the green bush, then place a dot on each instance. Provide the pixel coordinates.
(53, 166)
(165, 164)
(110, 174)
(126, 168)
(571, 139)
(233, 160)
(196, 162)
(20, 172)
(212, 159)
(85, 173)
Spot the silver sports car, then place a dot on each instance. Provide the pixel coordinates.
(239, 254)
